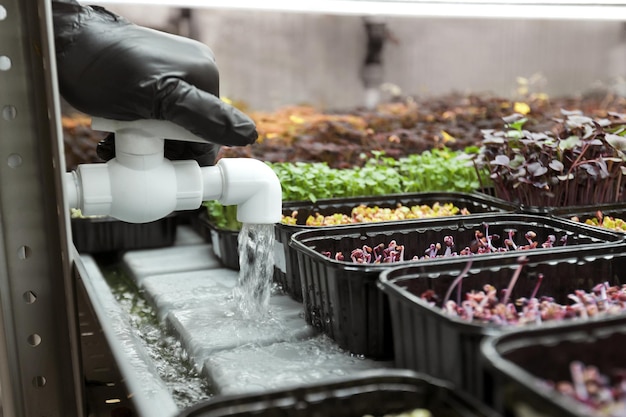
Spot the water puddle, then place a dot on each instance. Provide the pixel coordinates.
(256, 269)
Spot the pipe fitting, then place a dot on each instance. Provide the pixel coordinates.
(139, 185)
(253, 186)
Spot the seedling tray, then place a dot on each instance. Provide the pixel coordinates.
(223, 241)
(107, 234)
(342, 299)
(448, 347)
(522, 362)
(286, 266)
(200, 224)
(615, 210)
(376, 392)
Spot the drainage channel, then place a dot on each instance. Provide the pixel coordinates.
(130, 361)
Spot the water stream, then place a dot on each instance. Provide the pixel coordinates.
(256, 269)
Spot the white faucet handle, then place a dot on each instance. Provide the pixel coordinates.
(158, 129)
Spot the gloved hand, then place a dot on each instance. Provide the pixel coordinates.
(111, 68)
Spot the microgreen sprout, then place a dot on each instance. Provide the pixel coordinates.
(448, 241)
(521, 261)
(457, 281)
(484, 306)
(604, 393)
(578, 377)
(510, 242)
(537, 285)
(483, 243)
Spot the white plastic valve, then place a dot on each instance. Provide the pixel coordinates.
(140, 185)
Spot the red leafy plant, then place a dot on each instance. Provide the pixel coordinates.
(580, 161)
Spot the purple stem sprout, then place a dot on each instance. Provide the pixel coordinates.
(377, 252)
(448, 241)
(489, 238)
(537, 285)
(522, 260)
(549, 243)
(483, 243)
(432, 250)
(510, 242)
(457, 280)
(578, 378)
(530, 236)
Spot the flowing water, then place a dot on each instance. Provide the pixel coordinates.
(256, 269)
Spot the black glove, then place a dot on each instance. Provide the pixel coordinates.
(111, 68)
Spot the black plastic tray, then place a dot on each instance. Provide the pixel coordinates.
(617, 210)
(427, 340)
(223, 241)
(342, 299)
(286, 267)
(107, 234)
(376, 392)
(583, 211)
(200, 223)
(521, 362)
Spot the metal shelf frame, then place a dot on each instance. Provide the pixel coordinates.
(40, 371)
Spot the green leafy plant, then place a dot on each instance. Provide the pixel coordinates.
(435, 170)
(224, 217)
(581, 161)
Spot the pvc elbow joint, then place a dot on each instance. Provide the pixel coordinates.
(248, 183)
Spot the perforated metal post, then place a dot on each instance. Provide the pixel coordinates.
(39, 366)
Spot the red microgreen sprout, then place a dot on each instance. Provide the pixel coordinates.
(456, 281)
(522, 260)
(510, 242)
(431, 251)
(549, 243)
(578, 378)
(449, 242)
(489, 238)
(537, 285)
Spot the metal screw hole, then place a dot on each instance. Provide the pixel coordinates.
(30, 297)
(34, 340)
(14, 160)
(39, 381)
(24, 252)
(5, 63)
(9, 112)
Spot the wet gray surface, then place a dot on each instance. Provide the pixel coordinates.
(192, 295)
